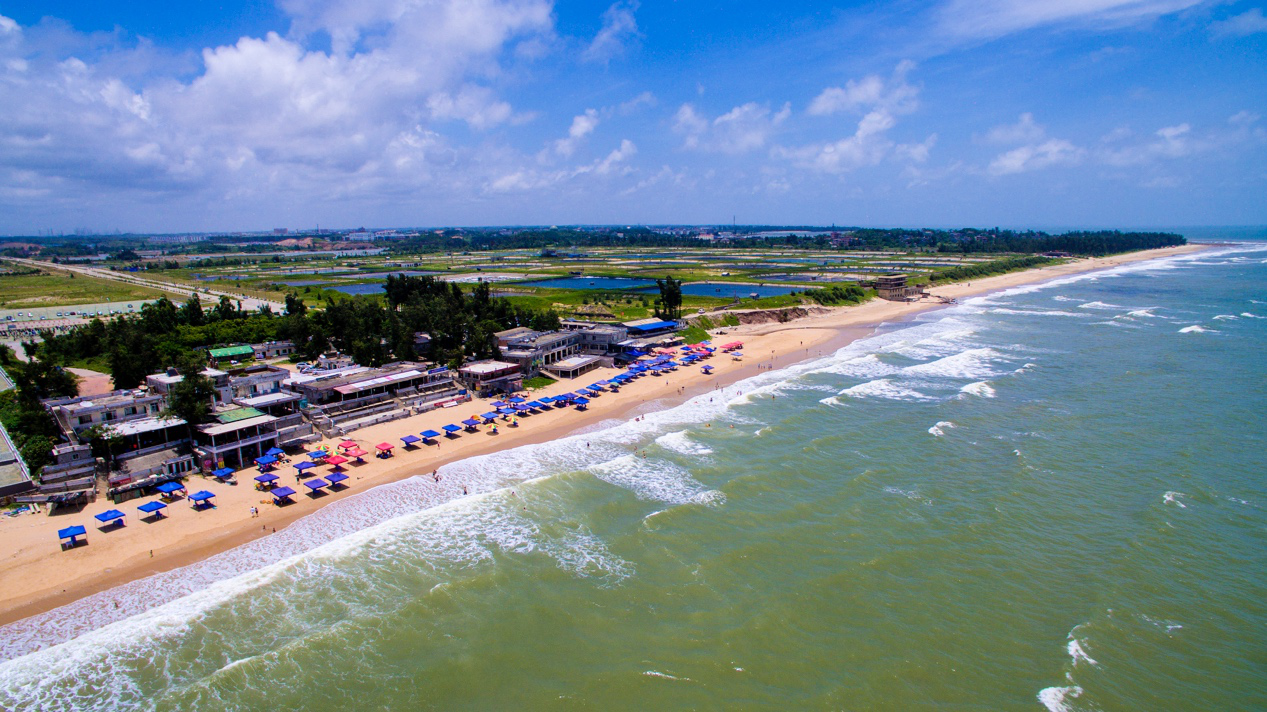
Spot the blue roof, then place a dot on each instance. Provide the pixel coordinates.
(223, 471)
(535, 404)
(169, 487)
(152, 507)
(68, 532)
(430, 434)
(266, 478)
(266, 460)
(110, 515)
(201, 496)
(582, 401)
(275, 451)
(471, 422)
(316, 484)
(317, 454)
(451, 428)
(498, 404)
(505, 411)
(490, 415)
(410, 439)
(305, 466)
(516, 399)
(336, 477)
(282, 492)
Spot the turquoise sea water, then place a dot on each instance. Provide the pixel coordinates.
(1052, 497)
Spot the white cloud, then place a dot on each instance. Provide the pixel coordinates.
(895, 95)
(1053, 152)
(582, 125)
(995, 18)
(916, 152)
(742, 129)
(620, 28)
(473, 104)
(626, 150)
(1025, 130)
(1250, 22)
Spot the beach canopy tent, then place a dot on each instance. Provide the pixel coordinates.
(410, 439)
(498, 404)
(265, 479)
(491, 415)
(706, 369)
(347, 444)
(266, 460)
(337, 460)
(71, 533)
(581, 403)
(201, 497)
(282, 494)
(305, 466)
(535, 405)
(171, 487)
(357, 452)
(428, 434)
(384, 447)
(316, 484)
(470, 422)
(222, 473)
(336, 477)
(450, 428)
(275, 451)
(152, 507)
(522, 409)
(109, 516)
(506, 411)
(517, 400)
(318, 454)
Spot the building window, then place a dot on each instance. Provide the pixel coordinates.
(85, 419)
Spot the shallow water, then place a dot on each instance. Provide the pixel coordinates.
(1052, 496)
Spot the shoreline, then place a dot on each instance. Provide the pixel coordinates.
(36, 576)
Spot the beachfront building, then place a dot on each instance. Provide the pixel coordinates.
(273, 349)
(231, 354)
(648, 328)
(234, 437)
(15, 477)
(409, 379)
(162, 383)
(534, 350)
(598, 339)
(489, 377)
(575, 366)
(76, 414)
(894, 288)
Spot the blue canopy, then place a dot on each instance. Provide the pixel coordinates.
(410, 439)
(270, 477)
(544, 399)
(516, 399)
(451, 428)
(582, 401)
(222, 472)
(282, 493)
(266, 460)
(316, 484)
(110, 515)
(336, 477)
(275, 451)
(305, 466)
(506, 411)
(535, 404)
(491, 415)
(521, 408)
(707, 368)
(317, 454)
(201, 496)
(152, 507)
(597, 386)
(499, 404)
(428, 434)
(471, 422)
(71, 532)
(170, 487)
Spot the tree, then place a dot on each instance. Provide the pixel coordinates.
(224, 309)
(191, 312)
(192, 397)
(295, 306)
(670, 302)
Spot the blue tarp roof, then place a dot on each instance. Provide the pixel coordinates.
(450, 428)
(305, 466)
(428, 434)
(169, 487)
(68, 532)
(275, 451)
(266, 460)
(336, 477)
(410, 439)
(223, 472)
(152, 507)
(110, 515)
(316, 484)
(266, 478)
(201, 496)
(282, 492)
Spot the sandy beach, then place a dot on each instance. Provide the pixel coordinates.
(36, 575)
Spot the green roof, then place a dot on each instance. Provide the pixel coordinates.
(231, 351)
(233, 416)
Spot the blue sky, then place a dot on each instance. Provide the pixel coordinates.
(249, 114)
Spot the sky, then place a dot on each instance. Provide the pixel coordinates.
(154, 116)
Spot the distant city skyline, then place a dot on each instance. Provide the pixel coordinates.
(248, 115)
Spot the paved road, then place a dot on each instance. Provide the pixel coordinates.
(140, 279)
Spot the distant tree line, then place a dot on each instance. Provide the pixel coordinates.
(992, 267)
(838, 294)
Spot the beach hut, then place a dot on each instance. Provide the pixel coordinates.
(410, 440)
(169, 489)
(202, 499)
(282, 495)
(315, 485)
(336, 480)
(155, 508)
(223, 473)
(70, 536)
(471, 425)
(384, 450)
(111, 516)
(303, 467)
(450, 430)
(428, 436)
(265, 481)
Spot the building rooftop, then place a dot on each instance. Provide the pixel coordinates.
(233, 415)
(231, 351)
(222, 428)
(144, 425)
(486, 367)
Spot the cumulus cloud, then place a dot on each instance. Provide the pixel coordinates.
(620, 28)
(995, 18)
(1250, 22)
(740, 130)
(1053, 152)
(582, 125)
(894, 96)
(475, 105)
(1025, 130)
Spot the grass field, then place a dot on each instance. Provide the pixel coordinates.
(58, 289)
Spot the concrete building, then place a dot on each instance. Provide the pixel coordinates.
(598, 339)
(273, 349)
(402, 378)
(231, 354)
(534, 350)
(893, 287)
(77, 414)
(234, 438)
(488, 377)
(575, 366)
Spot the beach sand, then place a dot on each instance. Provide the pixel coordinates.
(36, 575)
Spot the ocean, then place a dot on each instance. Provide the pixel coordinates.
(1050, 497)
